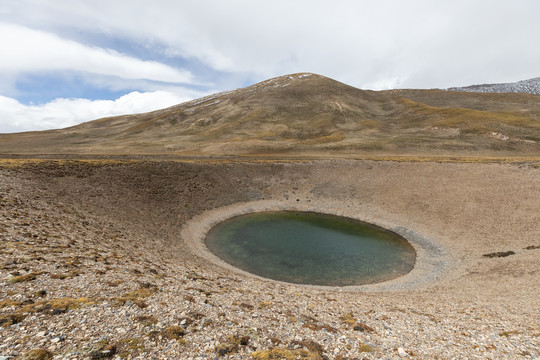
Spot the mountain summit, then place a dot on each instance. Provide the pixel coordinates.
(307, 114)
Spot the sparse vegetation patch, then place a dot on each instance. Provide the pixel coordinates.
(499, 254)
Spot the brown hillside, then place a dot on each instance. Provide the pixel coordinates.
(308, 114)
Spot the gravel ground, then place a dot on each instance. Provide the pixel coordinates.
(103, 259)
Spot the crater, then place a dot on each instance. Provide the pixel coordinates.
(417, 260)
(311, 248)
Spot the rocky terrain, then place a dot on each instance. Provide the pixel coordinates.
(102, 226)
(531, 86)
(95, 262)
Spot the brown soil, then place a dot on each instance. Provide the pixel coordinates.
(105, 243)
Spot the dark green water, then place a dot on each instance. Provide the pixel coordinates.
(311, 248)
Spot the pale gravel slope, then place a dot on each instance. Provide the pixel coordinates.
(119, 227)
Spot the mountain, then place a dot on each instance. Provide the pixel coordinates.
(308, 114)
(531, 86)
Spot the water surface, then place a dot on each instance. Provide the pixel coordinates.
(311, 248)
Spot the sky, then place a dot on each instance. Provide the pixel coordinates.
(63, 62)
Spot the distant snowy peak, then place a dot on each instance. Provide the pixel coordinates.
(531, 86)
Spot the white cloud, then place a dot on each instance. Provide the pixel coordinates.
(27, 50)
(60, 113)
(369, 43)
(427, 43)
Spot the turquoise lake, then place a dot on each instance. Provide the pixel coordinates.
(311, 248)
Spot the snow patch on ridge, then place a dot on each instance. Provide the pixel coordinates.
(531, 86)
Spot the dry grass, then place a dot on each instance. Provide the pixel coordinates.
(533, 160)
(9, 303)
(471, 120)
(22, 278)
(37, 354)
(285, 354)
(13, 163)
(136, 296)
(364, 348)
(173, 332)
(10, 319)
(58, 304)
(310, 116)
(348, 318)
(146, 320)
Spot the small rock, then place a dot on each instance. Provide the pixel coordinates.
(40, 293)
(58, 339)
(107, 352)
(401, 352)
(362, 327)
(58, 311)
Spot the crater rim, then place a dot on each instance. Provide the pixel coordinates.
(432, 261)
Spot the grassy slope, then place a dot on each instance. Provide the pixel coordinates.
(309, 115)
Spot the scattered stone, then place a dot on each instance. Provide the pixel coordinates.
(401, 352)
(107, 352)
(248, 307)
(40, 293)
(283, 318)
(196, 315)
(58, 339)
(58, 311)
(363, 327)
